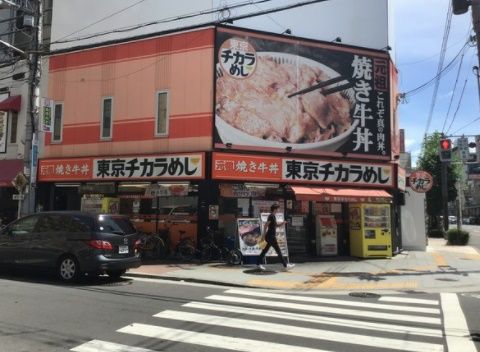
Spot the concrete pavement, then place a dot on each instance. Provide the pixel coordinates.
(441, 268)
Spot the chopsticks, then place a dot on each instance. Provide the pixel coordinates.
(324, 84)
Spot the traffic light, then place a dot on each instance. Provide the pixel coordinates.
(460, 6)
(445, 150)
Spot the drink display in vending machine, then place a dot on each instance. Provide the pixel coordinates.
(326, 235)
(370, 230)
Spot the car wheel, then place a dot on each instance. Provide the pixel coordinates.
(116, 274)
(68, 269)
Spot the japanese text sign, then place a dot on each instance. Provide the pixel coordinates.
(181, 166)
(420, 181)
(258, 74)
(237, 167)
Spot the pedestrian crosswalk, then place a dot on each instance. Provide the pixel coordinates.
(254, 320)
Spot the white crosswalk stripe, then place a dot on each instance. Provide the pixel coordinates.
(235, 319)
(327, 309)
(318, 334)
(392, 328)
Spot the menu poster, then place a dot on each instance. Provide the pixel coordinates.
(249, 235)
(281, 234)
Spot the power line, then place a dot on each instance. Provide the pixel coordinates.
(102, 19)
(162, 21)
(446, 34)
(453, 93)
(470, 123)
(447, 68)
(458, 106)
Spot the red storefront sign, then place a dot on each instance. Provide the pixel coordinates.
(299, 170)
(150, 167)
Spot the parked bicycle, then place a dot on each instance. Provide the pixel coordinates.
(211, 251)
(154, 246)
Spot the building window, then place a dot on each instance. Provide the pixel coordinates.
(107, 113)
(57, 123)
(161, 123)
(13, 127)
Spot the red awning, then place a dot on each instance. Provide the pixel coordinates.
(341, 195)
(12, 103)
(8, 170)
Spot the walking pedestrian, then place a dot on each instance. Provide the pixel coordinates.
(269, 230)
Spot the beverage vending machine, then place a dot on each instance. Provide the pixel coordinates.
(370, 230)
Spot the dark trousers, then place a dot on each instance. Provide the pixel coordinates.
(271, 243)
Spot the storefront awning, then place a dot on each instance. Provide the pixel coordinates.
(8, 170)
(341, 195)
(12, 103)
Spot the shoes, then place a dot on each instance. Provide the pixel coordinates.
(261, 267)
(288, 267)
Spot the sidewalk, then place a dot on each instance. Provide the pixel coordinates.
(441, 268)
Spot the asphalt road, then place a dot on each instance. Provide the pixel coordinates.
(142, 315)
(474, 231)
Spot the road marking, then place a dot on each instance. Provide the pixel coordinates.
(104, 346)
(456, 328)
(395, 299)
(392, 328)
(439, 259)
(211, 340)
(325, 309)
(297, 331)
(335, 302)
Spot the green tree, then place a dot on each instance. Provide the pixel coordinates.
(429, 161)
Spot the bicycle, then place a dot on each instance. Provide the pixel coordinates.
(154, 246)
(185, 248)
(211, 251)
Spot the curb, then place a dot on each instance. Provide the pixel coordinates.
(178, 279)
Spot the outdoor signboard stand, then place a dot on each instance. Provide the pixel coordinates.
(250, 235)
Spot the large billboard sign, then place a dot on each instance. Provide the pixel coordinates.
(284, 94)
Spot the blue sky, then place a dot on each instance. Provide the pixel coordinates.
(419, 29)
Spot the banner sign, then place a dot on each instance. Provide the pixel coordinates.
(3, 131)
(46, 115)
(283, 95)
(237, 167)
(157, 167)
(249, 235)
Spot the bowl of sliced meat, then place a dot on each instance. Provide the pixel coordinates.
(289, 101)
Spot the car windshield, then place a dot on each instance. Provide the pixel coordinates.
(115, 224)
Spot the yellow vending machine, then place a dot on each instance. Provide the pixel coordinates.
(370, 230)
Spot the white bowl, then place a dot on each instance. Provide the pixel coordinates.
(230, 134)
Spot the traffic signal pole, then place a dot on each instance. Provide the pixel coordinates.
(445, 194)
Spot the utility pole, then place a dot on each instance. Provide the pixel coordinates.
(476, 23)
(30, 155)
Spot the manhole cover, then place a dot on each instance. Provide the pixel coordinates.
(446, 279)
(364, 295)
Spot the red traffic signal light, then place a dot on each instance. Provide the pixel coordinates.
(445, 144)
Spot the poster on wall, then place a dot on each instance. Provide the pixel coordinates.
(281, 235)
(3, 131)
(249, 236)
(301, 95)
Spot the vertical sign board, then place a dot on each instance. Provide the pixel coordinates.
(462, 146)
(3, 131)
(477, 147)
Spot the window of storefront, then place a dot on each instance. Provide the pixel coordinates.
(57, 123)
(161, 123)
(107, 115)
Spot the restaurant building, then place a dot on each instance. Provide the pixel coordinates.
(201, 127)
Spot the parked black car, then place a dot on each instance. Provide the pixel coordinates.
(71, 243)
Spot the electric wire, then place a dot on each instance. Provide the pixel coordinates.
(162, 21)
(458, 106)
(453, 93)
(443, 51)
(467, 125)
(446, 69)
(102, 19)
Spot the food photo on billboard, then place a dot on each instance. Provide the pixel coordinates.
(286, 94)
(249, 235)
